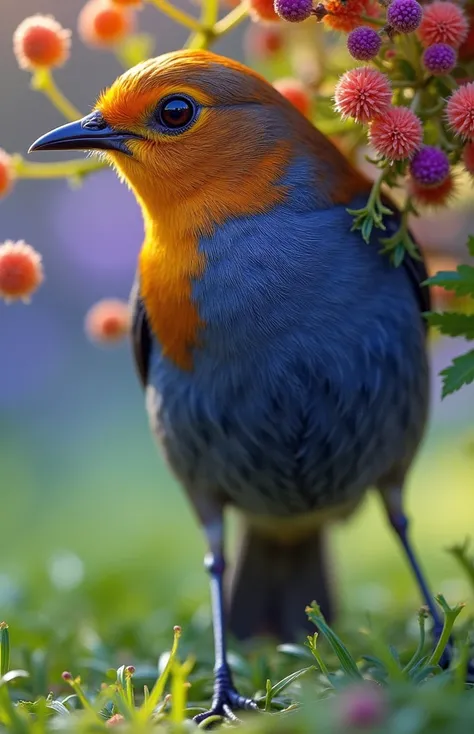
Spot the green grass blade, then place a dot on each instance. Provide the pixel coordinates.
(157, 691)
(347, 661)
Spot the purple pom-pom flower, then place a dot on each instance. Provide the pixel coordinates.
(404, 15)
(439, 59)
(293, 11)
(429, 166)
(363, 43)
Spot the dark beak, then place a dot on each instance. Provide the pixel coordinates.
(90, 133)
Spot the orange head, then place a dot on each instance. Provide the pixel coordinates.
(197, 133)
(201, 140)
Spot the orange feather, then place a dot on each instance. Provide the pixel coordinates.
(228, 164)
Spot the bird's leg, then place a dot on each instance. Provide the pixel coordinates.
(398, 520)
(393, 503)
(226, 698)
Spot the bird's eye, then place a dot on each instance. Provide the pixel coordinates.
(175, 113)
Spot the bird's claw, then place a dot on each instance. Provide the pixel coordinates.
(226, 700)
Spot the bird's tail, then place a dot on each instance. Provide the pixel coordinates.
(273, 582)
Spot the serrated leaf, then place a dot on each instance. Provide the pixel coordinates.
(398, 255)
(459, 373)
(461, 280)
(452, 323)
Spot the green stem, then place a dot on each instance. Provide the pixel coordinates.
(42, 81)
(374, 21)
(206, 36)
(4, 649)
(232, 19)
(418, 654)
(59, 169)
(403, 85)
(210, 13)
(376, 188)
(415, 101)
(176, 14)
(450, 615)
(200, 41)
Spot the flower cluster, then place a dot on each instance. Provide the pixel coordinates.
(400, 81)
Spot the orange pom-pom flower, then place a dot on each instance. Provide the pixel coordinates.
(7, 175)
(262, 10)
(21, 271)
(345, 15)
(108, 321)
(128, 3)
(263, 41)
(296, 93)
(102, 23)
(40, 42)
(433, 196)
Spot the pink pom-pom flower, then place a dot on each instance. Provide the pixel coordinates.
(443, 22)
(398, 134)
(363, 93)
(460, 111)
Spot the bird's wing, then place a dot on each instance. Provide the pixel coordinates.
(141, 334)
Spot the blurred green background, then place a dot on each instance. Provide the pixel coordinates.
(88, 509)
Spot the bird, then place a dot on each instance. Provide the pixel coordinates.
(283, 358)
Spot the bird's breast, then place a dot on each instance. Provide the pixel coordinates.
(309, 376)
(167, 273)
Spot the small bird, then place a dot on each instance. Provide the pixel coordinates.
(283, 359)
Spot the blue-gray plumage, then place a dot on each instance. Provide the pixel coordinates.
(284, 359)
(310, 381)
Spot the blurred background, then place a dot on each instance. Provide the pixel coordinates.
(87, 504)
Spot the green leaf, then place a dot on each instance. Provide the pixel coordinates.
(13, 675)
(4, 648)
(470, 244)
(409, 73)
(459, 373)
(461, 280)
(398, 255)
(345, 658)
(285, 682)
(452, 323)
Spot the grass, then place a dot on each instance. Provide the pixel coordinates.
(318, 686)
(101, 559)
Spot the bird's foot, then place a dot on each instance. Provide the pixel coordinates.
(226, 699)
